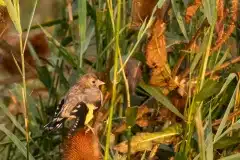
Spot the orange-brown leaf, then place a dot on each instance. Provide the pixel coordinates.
(141, 9)
(11, 46)
(4, 20)
(191, 10)
(156, 54)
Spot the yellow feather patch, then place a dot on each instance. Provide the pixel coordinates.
(2, 3)
(89, 116)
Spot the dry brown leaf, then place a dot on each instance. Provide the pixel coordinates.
(231, 27)
(141, 9)
(142, 110)
(159, 77)
(219, 24)
(15, 107)
(191, 10)
(142, 122)
(10, 46)
(4, 21)
(133, 72)
(220, 10)
(156, 54)
(156, 57)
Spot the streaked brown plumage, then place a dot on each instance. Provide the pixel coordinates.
(85, 91)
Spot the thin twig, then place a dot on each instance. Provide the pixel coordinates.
(230, 117)
(224, 65)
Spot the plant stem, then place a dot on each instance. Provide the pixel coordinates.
(82, 22)
(115, 67)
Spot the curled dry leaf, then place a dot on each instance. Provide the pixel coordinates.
(219, 24)
(15, 107)
(191, 10)
(146, 141)
(231, 27)
(10, 46)
(133, 72)
(4, 20)
(156, 54)
(141, 9)
(156, 58)
(142, 122)
(142, 110)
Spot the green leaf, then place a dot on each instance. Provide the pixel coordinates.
(159, 96)
(235, 126)
(226, 142)
(131, 114)
(44, 76)
(210, 11)
(209, 89)
(63, 80)
(232, 157)
(228, 81)
(179, 18)
(225, 117)
(209, 136)
(16, 141)
(180, 156)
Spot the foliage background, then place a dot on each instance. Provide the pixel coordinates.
(177, 97)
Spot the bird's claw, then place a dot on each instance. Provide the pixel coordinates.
(89, 128)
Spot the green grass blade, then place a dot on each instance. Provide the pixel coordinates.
(82, 24)
(210, 11)
(158, 95)
(228, 81)
(179, 18)
(224, 119)
(16, 141)
(232, 157)
(14, 15)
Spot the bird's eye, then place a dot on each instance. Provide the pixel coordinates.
(93, 81)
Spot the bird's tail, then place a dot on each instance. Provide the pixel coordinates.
(55, 124)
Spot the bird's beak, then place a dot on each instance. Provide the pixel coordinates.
(99, 83)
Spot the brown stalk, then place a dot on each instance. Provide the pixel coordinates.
(234, 11)
(230, 117)
(224, 65)
(188, 46)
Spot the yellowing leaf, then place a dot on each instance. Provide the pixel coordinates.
(89, 116)
(145, 141)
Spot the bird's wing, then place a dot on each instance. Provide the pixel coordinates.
(80, 111)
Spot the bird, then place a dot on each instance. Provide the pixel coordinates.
(84, 93)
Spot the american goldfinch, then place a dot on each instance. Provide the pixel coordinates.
(86, 91)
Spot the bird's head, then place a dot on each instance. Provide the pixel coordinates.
(90, 80)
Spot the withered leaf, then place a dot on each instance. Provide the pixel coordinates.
(4, 20)
(133, 72)
(191, 10)
(10, 47)
(142, 110)
(156, 54)
(141, 9)
(145, 141)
